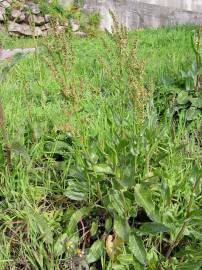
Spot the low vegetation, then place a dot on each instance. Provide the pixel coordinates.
(100, 155)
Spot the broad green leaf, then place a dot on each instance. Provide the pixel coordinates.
(77, 190)
(102, 168)
(94, 228)
(126, 259)
(76, 196)
(137, 248)
(183, 98)
(152, 259)
(143, 198)
(116, 202)
(95, 252)
(153, 228)
(59, 246)
(44, 228)
(57, 146)
(122, 228)
(192, 114)
(196, 102)
(21, 150)
(75, 218)
(117, 266)
(108, 224)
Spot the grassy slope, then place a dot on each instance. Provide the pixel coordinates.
(34, 107)
(165, 51)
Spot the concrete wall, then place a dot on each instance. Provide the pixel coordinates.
(147, 13)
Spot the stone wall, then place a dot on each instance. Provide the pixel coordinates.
(25, 19)
(147, 13)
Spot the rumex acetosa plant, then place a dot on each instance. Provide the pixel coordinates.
(126, 71)
(59, 57)
(189, 100)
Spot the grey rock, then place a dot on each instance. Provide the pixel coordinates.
(17, 15)
(7, 54)
(45, 27)
(22, 17)
(66, 3)
(74, 25)
(24, 29)
(47, 18)
(37, 19)
(80, 34)
(147, 13)
(34, 8)
(5, 4)
(2, 13)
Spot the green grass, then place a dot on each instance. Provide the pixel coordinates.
(88, 173)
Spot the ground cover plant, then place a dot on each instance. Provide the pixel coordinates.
(100, 156)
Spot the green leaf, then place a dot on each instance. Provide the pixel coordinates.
(183, 98)
(137, 248)
(59, 247)
(122, 228)
(102, 168)
(108, 224)
(20, 150)
(77, 189)
(75, 218)
(126, 259)
(196, 102)
(94, 228)
(76, 196)
(95, 252)
(192, 114)
(143, 197)
(44, 228)
(153, 228)
(116, 202)
(58, 147)
(117, 266)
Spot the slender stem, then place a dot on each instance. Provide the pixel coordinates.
(5, 139)
(198, 59)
